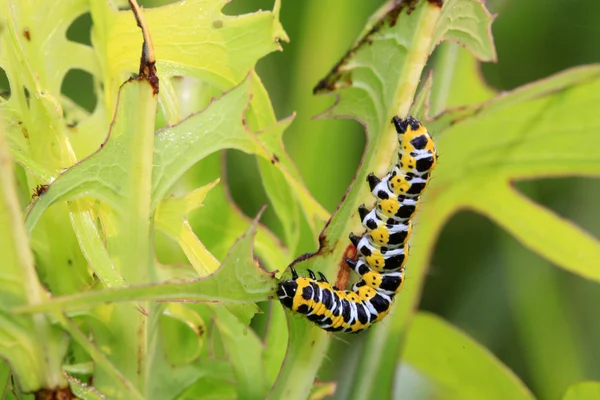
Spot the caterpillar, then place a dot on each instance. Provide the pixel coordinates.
(382, 250)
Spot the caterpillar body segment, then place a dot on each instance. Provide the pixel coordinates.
(383, 234)
(382, 250)
(407, 184)
(334, 310)
(390, 205)
(389, 283)
(381, 258)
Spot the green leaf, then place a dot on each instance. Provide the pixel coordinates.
(30, 344)
(218, 127)
(84, 391)
(229, 47)
(244, 350)
(191, 38)
(458, 366)
(583, 391)
(526, 136)
(35, 123)
(468, 23)
(239, 280)
(118, 174)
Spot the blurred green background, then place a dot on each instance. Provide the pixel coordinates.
(541, 321)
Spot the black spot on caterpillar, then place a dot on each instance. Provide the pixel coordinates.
(382, 249)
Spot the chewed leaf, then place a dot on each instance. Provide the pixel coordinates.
(105, 174)
(456, 364)
(239, 280)
(222, 126)
(108, 174)
(213, 46)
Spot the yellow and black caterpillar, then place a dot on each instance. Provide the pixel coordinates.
(382, 249)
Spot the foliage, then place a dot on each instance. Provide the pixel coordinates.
(115, 286)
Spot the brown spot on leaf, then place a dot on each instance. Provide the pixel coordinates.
(27, 34)
(217, 24)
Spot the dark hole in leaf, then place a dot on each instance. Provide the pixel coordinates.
(80, 30)
(4, 85)
(78, 86)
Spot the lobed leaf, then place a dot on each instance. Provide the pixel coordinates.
(525, 135)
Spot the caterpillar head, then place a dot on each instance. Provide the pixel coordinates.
(287, 290)
(402, 125)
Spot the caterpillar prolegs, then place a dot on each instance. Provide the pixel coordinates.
(382, 250)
